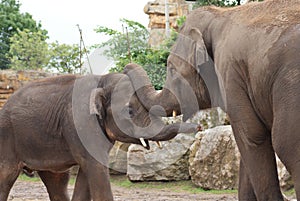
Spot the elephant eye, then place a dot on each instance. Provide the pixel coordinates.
(172, 71)
(127, 112)
(130, 111)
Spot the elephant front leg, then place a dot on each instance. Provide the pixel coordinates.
(98, 180)
(254, 142)
(246, 191)
(81, 190)
(259, 171)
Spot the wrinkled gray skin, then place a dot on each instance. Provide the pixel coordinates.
(255, 69)
(40, 130)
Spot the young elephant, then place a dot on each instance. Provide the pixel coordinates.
(53, 124)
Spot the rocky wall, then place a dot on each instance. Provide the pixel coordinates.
(11, 80)
(157, 19)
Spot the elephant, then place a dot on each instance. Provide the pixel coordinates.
(55, 123)
(245, 60)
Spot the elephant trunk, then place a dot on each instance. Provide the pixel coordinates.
(152, 100)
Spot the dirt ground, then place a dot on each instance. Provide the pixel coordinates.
(35, 191)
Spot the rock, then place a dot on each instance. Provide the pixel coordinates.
(118, 158)
(157, 19)
(166, 164)
(12, 80)
(210, 118)
(285, 179)
(214, 159)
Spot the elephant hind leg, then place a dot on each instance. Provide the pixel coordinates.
(9, 166)
(56, 184)
(8, 175)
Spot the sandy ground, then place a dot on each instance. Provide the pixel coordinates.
(35, 191)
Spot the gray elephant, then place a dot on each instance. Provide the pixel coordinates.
(246, 60)
(55, 123)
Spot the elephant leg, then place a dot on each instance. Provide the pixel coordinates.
(56, 184)
(98, 180)
(9, 166)
(81, 190)
(8, 175)
(245, 186)
(254, 143)
(286, 132)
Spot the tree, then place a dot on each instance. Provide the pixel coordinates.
(124, 46)
(28, 50)
(131, 45)
(64, 58)
(12, 21)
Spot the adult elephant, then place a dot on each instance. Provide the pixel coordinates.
(56, 123)
(247, 60)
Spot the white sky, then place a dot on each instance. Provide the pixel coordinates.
(60, 17)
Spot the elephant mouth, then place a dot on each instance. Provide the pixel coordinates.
(168, 132)
(145, 143)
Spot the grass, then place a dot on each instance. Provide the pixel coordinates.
(122, 181)
(175, 186)
(290, 192)
(23, 177)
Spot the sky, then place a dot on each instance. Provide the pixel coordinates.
(60, 17)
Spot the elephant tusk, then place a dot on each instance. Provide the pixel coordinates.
(143, 142)
(174, 113)
(159, 144)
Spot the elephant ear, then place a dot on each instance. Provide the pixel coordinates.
(96, 105)
(200, 52)
(89, 131)
(205, 66)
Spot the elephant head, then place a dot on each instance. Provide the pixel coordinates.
(114, 105)
(192, 83)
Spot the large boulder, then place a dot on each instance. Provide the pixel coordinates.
(285, 179)
(160, 164)
(118, 158)
(214, 159)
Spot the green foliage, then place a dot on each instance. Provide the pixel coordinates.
(153, 60)
(28, 50)
(180, 21)
(134, 35)
(64, 58)
(12, 21)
